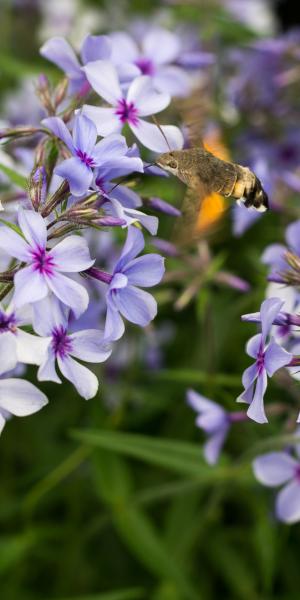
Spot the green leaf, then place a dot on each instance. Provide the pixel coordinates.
(114, 484)
(124, 594)
(14, 176)
(181, 457)
(193, 377)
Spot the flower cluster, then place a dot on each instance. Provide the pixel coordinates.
(66, 291)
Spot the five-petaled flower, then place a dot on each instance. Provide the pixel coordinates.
(123, 296)
(269, 357)
(45, 267)
(277, 468)
(141, 100)
(215, 421)
(64, 347)
(87, 154)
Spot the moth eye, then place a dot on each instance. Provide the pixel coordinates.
(172, 164)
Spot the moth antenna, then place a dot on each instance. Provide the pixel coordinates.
(162, 132)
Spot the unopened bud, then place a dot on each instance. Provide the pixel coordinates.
(162, 206)
(96, 273)
(38, 186)
(61, 91)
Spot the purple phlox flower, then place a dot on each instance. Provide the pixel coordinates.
(274, 255)
(165, 247)
(124, 297)
(17, 345)
(45, 268)
(277, 468)
(286, 324)
(19, 398)
(269, 357)
(113, 167)
(215, 422)
(159, 50)
(61, 53)
(64, 347)
(87, 154)
(141, 100)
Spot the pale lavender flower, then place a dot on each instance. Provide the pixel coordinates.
(64, 347)
(61, 53)
(44, 268)
(277, 468)
(17, 345)
(269, 357)
(87, 154)
(19, 398)
(215, 422)
(141, 100)
(159, 50)
(129, 215)
(124, 298)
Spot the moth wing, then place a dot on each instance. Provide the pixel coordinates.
(201, 210)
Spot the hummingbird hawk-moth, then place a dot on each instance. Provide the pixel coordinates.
(205, 174)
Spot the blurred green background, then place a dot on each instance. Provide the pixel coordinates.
(111, 499)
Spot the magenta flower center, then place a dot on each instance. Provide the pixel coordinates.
(127, 112)
(85, 158)
(7, 322)
(61, 343)
(260, 361)
(146, 65)
(297, 474)
(42, 261)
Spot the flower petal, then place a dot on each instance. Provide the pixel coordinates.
(72, 255)
(31, 349)
(124, 49)
(287, 505)
(256, 410)
(103, 77)
(58, 51)
(275, 358)
(95, 47)
(133, 246)
(89, 345)
(172, 80)
(69, 292)
(47, 371)
(145, 271)
(253, 345)
(30, 286)
(105, 119)
(8, 352)
(57, 315)
(213, 446)
(268, 311)
(112, 148)
(161, 45)
(20, 397)
(84, 134)
(274, 468)
(78, 175)
(60, 130)
(85, 382)
(136, 305)
(200, 403)
(292, 236)
(14, 244)
(33, 226)
(151, 137)
(146, 99)
(114, 326)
